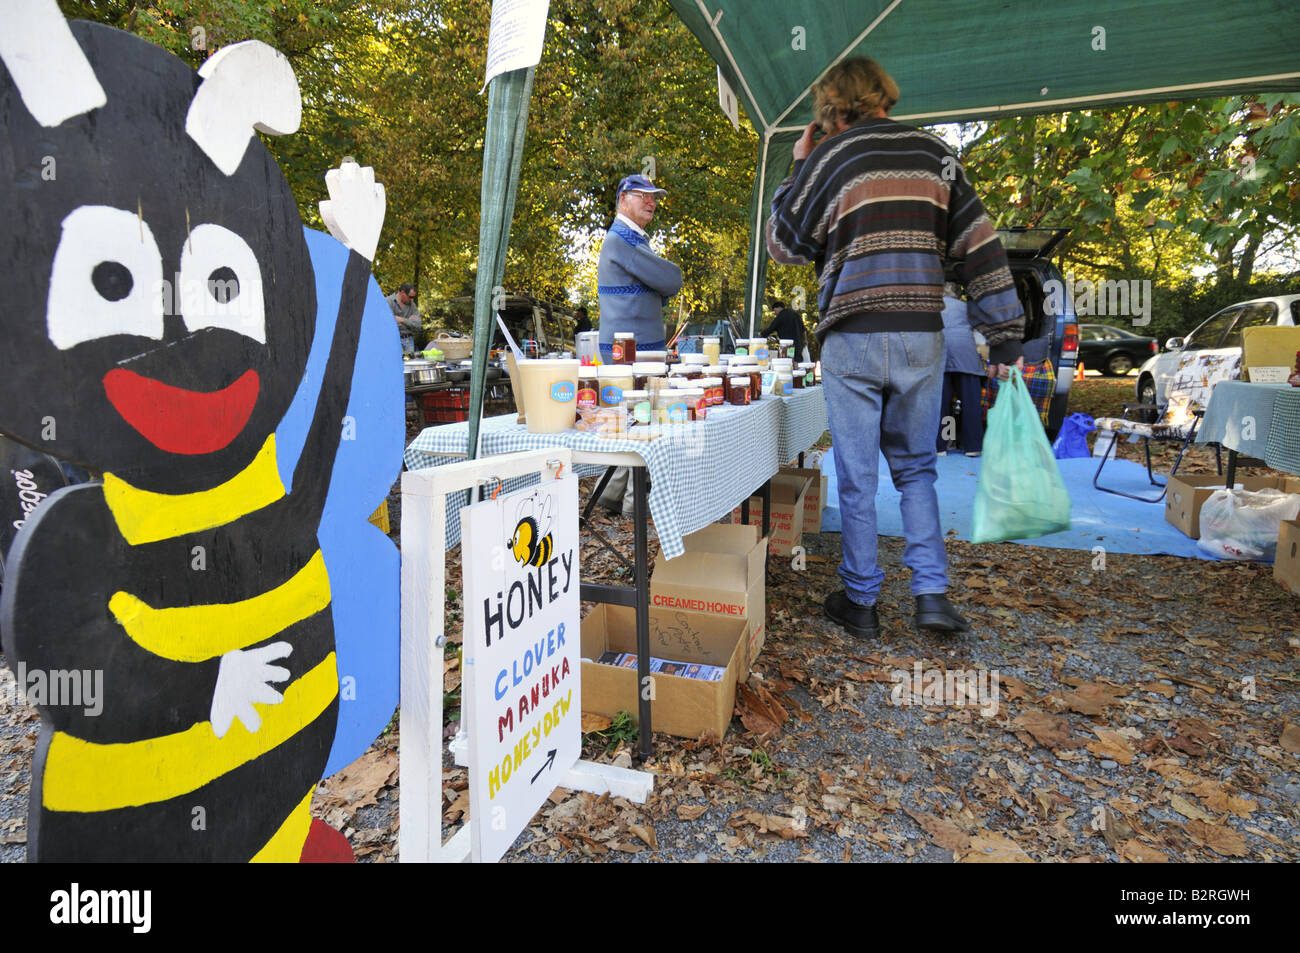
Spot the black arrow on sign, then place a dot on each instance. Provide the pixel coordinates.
(550, 760)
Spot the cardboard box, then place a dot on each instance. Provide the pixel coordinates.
(815, 500)
(1267, 348)
(1286, 568)
(1187, 493)
(686, 707)
(785, 529)
(723, 572)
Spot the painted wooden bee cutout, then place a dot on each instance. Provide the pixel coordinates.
(234, 379)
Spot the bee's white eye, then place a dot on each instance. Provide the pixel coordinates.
(106, 278)
(221, 283)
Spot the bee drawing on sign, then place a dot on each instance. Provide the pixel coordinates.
(532, 544)
(203, 355)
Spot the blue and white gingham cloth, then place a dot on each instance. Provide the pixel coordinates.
(698, 471)
(804, 422)
(1283, 451)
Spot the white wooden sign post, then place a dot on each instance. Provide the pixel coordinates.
(483, 737)
(522, 698)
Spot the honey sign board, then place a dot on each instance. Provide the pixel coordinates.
(523, 646)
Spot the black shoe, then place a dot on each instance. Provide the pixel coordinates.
(857, 620)
(936, 614)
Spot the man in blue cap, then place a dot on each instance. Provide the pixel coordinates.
(632, 281)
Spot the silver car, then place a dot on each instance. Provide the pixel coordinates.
(1220, 330)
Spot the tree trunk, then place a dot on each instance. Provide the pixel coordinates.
(415, 278)
(1246, 267)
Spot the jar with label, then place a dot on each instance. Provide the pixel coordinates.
(810, 373)
(742, 347)
(769, 381)
(697, 402)
(624, 348)
(588, 387)
(784, 384)
(613, 380)
(712, 389)
(642, 371)
(672, 406)
(755, 374)
(783, 365)
(638, 405)
(798, 379)
(712, 349)
(738, 390)
(758, 351)
(785, 347)
(686, 371)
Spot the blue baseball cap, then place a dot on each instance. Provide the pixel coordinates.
(638, 183)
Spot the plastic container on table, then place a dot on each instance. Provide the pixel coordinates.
(624, 348)
(712, 348)
(738, 389)
(550, 394)
(614, 379)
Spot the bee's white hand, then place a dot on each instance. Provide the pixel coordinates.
(354, 212)
(243, 679)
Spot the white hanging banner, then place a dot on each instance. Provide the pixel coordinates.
(727, 100)
(522, 703)
(515, 37)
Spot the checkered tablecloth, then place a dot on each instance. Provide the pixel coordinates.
(698, 471)
(1283, 451)
(803, 423)
(1239, 416)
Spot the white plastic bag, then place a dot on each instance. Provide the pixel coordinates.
(1243, 524)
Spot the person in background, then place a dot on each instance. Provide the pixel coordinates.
(407, 315)
(786, 323)
(878, 206)
(963, 375)
(633, 282)
(584, 322)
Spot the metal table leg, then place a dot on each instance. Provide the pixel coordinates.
(640, 517)
(1232, 469)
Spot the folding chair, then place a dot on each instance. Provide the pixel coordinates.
(1189, 394)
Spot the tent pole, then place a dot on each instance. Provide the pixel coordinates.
(756, 248)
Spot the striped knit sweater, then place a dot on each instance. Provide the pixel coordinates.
(877, 209)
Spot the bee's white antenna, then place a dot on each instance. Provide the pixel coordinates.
(246, 86)
(53, 76)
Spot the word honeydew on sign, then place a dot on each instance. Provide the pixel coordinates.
(522, 656)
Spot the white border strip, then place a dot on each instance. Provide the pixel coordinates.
(713, 26)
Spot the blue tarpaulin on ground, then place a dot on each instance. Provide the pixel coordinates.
(1102, 519)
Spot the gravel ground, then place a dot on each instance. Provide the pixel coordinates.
(1147, 711)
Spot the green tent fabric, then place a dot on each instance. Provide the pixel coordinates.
(503, 151)
(957, 60)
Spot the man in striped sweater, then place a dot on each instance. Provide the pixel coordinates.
(878, 207)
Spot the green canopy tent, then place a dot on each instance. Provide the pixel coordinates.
(960, 60)
(953, 60)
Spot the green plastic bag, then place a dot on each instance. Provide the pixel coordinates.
(1020, 494)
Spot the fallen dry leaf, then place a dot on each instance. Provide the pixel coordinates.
(1222, 840)
(358, 785)
(993, 848)
(1140, 853)
(1050, 731)
(1190, 810)
(1290, 740)
(1091, 698)
(1112, 745)
(594, 722)
(942, 833)
(690, 812)
(759, 711)
(1217, 798)
(646, 833)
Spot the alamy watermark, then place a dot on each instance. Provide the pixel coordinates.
(75, 688)
(1129, 299)
(959, 688)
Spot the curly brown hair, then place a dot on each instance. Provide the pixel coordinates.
(852, 90)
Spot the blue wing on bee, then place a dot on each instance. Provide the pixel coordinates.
(363, 564)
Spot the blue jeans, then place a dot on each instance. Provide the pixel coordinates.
(882, 395)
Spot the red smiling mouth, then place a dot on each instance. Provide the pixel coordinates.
(178, 420)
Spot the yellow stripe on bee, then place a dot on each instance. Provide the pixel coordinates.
(285, 845)
(146, 517)
(84, 776)
(198, 633)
